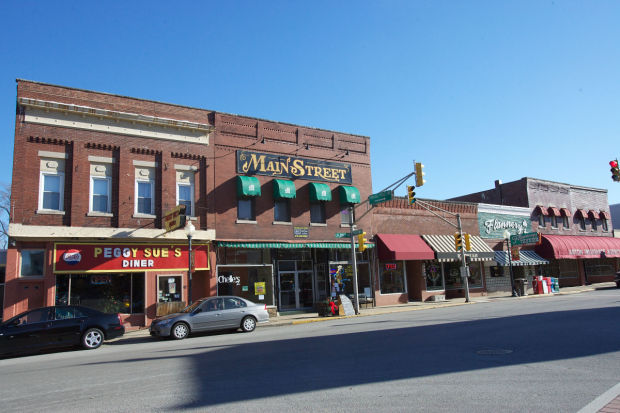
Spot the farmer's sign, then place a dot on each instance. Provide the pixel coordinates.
(111, 257)
(282, 166)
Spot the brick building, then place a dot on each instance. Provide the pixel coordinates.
(574, 223)
(95, 174)
(416, 259)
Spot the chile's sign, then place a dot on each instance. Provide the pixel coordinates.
(112, 257)
(255, 163)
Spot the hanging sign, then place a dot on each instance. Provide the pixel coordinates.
(283, 166)
(112, 257)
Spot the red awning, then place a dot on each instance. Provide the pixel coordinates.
(582, 213)
(605, 215)
(565, 212)
(541, 210)
(574, 246)
(592, 214)
(554, 211)
(403, 247)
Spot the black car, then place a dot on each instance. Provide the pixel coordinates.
(60, 326)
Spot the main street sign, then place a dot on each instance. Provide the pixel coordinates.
(524, 239)
(380, 197)
(343, 235)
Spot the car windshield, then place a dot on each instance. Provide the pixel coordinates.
(192, 306)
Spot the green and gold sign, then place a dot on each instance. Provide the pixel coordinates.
(255, 163)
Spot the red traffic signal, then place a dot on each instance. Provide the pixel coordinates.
(615, 171)
(613, 164)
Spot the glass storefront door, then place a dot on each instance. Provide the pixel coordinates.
(295, 281)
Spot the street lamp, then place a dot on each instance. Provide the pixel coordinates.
(512, 278)
(189, 231)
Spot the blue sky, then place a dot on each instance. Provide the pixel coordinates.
(475, 90)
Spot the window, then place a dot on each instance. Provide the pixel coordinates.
(144, 197)
(32, 263)
(51, 181)
(231, 303)
(282, 210)
(604, 224)
(100, 194)
(245, 209)
(51, 192)
(594, 226)
(169, 288)
(554, 221)
(565, 222)
(541, 220)
(392, 278)
(345, 216)
(582, 223)
(317, 213)
(40, 315)
(100, 186)
(433, 276)
(185, 197)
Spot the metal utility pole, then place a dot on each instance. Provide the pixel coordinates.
(354, 261)
(464, 269)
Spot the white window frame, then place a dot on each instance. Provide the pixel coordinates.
(192, 195)
(152, 212)
(92, 194)
(61, 190)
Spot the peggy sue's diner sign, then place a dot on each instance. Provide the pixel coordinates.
(255, 163)
(111, 257)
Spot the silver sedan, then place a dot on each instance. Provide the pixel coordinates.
(212, 313)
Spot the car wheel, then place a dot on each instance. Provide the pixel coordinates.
(92, 338)
(180, 331)
(248, 324)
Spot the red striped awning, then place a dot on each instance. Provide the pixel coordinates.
(554, 211)
(541, 210)
(574, 246)
(403, 247)
(582, 212)
(605, 215)
(565, 212)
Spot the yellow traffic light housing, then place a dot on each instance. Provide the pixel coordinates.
(361, 242)
(467, 242)
(458, 241)
(411, 194)
(419, 174)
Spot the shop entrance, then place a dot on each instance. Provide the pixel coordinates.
(295, 282)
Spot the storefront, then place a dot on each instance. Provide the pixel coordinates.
(443, 274)
(526, 266)
(580, 260)
(138, 280)
(287, 275)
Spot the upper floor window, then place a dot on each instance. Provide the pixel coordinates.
(317, 213)
(51, 181)
(282, 210)
(593, 221)
(100, 187)
(582, 223)
(248, 187)
(604, 224)
(345, 216)
(145, 191)
(541, 220)
(554, 221)
(32, 263)
(565, 222)
(245, 209)
(185, 188)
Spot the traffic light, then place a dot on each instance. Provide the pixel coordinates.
(458, 241)
(411, 194)
(467, 242)
(615, 171)
(419, 174)
(361, 242)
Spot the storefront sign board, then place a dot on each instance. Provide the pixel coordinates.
(127, 257)
(494, 225)
(524, 239)
(174, 218)
(301, 232)
(284, 166)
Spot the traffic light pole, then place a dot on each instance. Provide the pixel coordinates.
(354, 262)
(464, 269)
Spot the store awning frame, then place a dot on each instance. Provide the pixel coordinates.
(443, 245)
(526, 257)
(320, 192)
(284, 189)
(248, 186)
(288, 245)
(576, 246)
(406, 247)
(349, 195)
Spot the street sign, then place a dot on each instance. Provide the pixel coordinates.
(380, 197)
(343, 235)
(357, 232)
(526, 238)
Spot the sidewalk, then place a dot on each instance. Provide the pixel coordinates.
(295, 317)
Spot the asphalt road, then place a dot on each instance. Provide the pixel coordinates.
(552, 354)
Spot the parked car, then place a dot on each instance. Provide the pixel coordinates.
(212, 313)
(60, 326)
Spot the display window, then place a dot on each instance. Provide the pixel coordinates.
(169, 288)
(452, 274)
(392, 277)
(110, 293)
(433, 276)
(254, 283)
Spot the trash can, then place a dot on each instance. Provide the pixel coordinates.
(521, 286)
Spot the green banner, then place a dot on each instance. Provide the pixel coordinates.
(494, 225)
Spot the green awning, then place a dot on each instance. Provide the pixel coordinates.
(283, 189)
(320, 192)
(349, 195)
(331, 245)
(247, 186)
